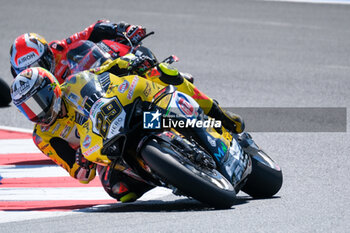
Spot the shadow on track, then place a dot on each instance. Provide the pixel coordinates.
(181, 205)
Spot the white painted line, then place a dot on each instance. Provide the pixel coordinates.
(43, 194)
(53, 194)
(13, 171)
(17, 129)
(16, 146)
(16, 216)
(344, 2)
(72, 193)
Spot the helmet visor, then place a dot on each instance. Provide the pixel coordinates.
(37, 108)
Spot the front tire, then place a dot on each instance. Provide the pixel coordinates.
(209, 187)
(266, 177)
(5, 96)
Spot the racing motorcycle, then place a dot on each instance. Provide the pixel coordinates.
(131, 124)
(105, 50)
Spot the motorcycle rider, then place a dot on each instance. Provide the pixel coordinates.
(55, 132)
(58, 138)
(31, 49)
(38, 95)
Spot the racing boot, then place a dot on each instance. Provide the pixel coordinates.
(229, 120)
(166, 74)
(121, 186)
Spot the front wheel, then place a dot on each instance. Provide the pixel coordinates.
(5, 97)
(266, 177)
(207, 186)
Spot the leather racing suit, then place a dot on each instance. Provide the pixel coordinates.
(61, 143)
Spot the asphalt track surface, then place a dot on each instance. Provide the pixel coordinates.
(244, 54)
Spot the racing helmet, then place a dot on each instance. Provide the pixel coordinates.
(37, 94)
(31, 50)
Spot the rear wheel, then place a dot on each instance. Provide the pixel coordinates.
(205, 185)
(266, 177)
(5, 96)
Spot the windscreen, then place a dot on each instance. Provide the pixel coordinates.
(85, 55)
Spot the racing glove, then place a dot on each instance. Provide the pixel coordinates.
(140, 64)
(86, 170)
(135, 33)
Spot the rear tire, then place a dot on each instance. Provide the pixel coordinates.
(5, 96)
(209, 187)
(266, 178)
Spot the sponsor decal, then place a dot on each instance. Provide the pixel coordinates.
(65, 131)
(132, 88)
(116, 125)
(22, 84)
(87, 141)
(96, 107)
(28, 74)
(105, 48)
(221, 151)
(44, 128)
(211, 141)
(23, 87)
(56, 128)
(147, 90)
(26, 58)
(114, 46)
(184, 105)
(37, 139)
(154, 73)
(123, 87)
(91, 150)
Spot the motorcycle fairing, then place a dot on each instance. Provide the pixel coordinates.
(98, 98)
(227, 153)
